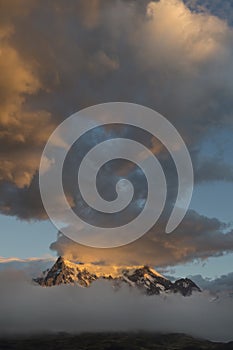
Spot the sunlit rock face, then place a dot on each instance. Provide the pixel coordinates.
(66, 272)
(144, 278)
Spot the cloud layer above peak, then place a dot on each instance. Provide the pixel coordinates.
(59, 57)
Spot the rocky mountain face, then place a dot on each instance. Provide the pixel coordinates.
(144, 278)
(66, 272)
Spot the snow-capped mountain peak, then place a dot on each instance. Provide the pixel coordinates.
(144, 278)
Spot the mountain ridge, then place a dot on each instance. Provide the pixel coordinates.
(144, 278)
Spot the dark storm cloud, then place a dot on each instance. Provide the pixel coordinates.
(31, 309)
(58, 57)
(61, 58)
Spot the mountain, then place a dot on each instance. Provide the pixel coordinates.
(144, 278)
(66, 272)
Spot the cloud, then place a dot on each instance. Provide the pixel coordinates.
(23, 131)
(27, 308)
(107, 51)
(220, 8)
(213, 169)
(32, 267)
(223, 283)
(198, 237)
(61, 58)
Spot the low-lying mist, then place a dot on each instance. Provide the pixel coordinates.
(26, 308)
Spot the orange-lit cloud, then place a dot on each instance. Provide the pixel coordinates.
(56, 58)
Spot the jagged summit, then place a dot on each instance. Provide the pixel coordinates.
(144, 278)
(66, 272)
(185, 286)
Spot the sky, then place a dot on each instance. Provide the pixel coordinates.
(172, 56)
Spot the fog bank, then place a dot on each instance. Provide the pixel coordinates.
(28, 309)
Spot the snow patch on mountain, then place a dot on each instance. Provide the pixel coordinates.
(146, 279)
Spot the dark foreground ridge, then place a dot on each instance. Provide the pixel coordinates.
(144, 278)
(112, 341)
